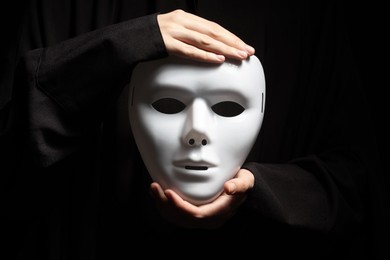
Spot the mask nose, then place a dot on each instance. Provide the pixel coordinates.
(197, 141)
(197, 129)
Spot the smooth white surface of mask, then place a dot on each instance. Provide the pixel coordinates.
(195, 123)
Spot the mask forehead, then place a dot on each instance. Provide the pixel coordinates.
(173, 75)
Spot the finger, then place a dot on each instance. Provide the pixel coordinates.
(241, 183)
(206, 43)
(219, 206)
(181, 204)
(215, 31)
(187, 51)
(158, 192)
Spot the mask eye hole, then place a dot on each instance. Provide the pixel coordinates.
(228, 109)
(168, 105)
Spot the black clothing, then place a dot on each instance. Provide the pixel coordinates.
(77, 187)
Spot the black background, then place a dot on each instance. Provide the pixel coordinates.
(367, 23)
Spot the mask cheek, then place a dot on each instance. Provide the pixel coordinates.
(162, 133)
(237, 136)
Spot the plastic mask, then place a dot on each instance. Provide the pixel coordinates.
(195, 123)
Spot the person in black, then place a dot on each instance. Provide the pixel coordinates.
(75, 186)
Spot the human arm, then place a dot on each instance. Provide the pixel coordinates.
(78, 79)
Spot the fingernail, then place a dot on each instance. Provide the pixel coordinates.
(249, 49)
(220, 58)
(232, 188)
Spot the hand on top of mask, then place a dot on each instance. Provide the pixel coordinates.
(190, 36)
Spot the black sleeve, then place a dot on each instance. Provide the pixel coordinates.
(69, 86)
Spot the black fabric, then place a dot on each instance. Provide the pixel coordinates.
(75, 187)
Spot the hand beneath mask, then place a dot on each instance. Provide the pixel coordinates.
(208, 216)
(190, 36)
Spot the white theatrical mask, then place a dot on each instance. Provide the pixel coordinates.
(195, 123)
